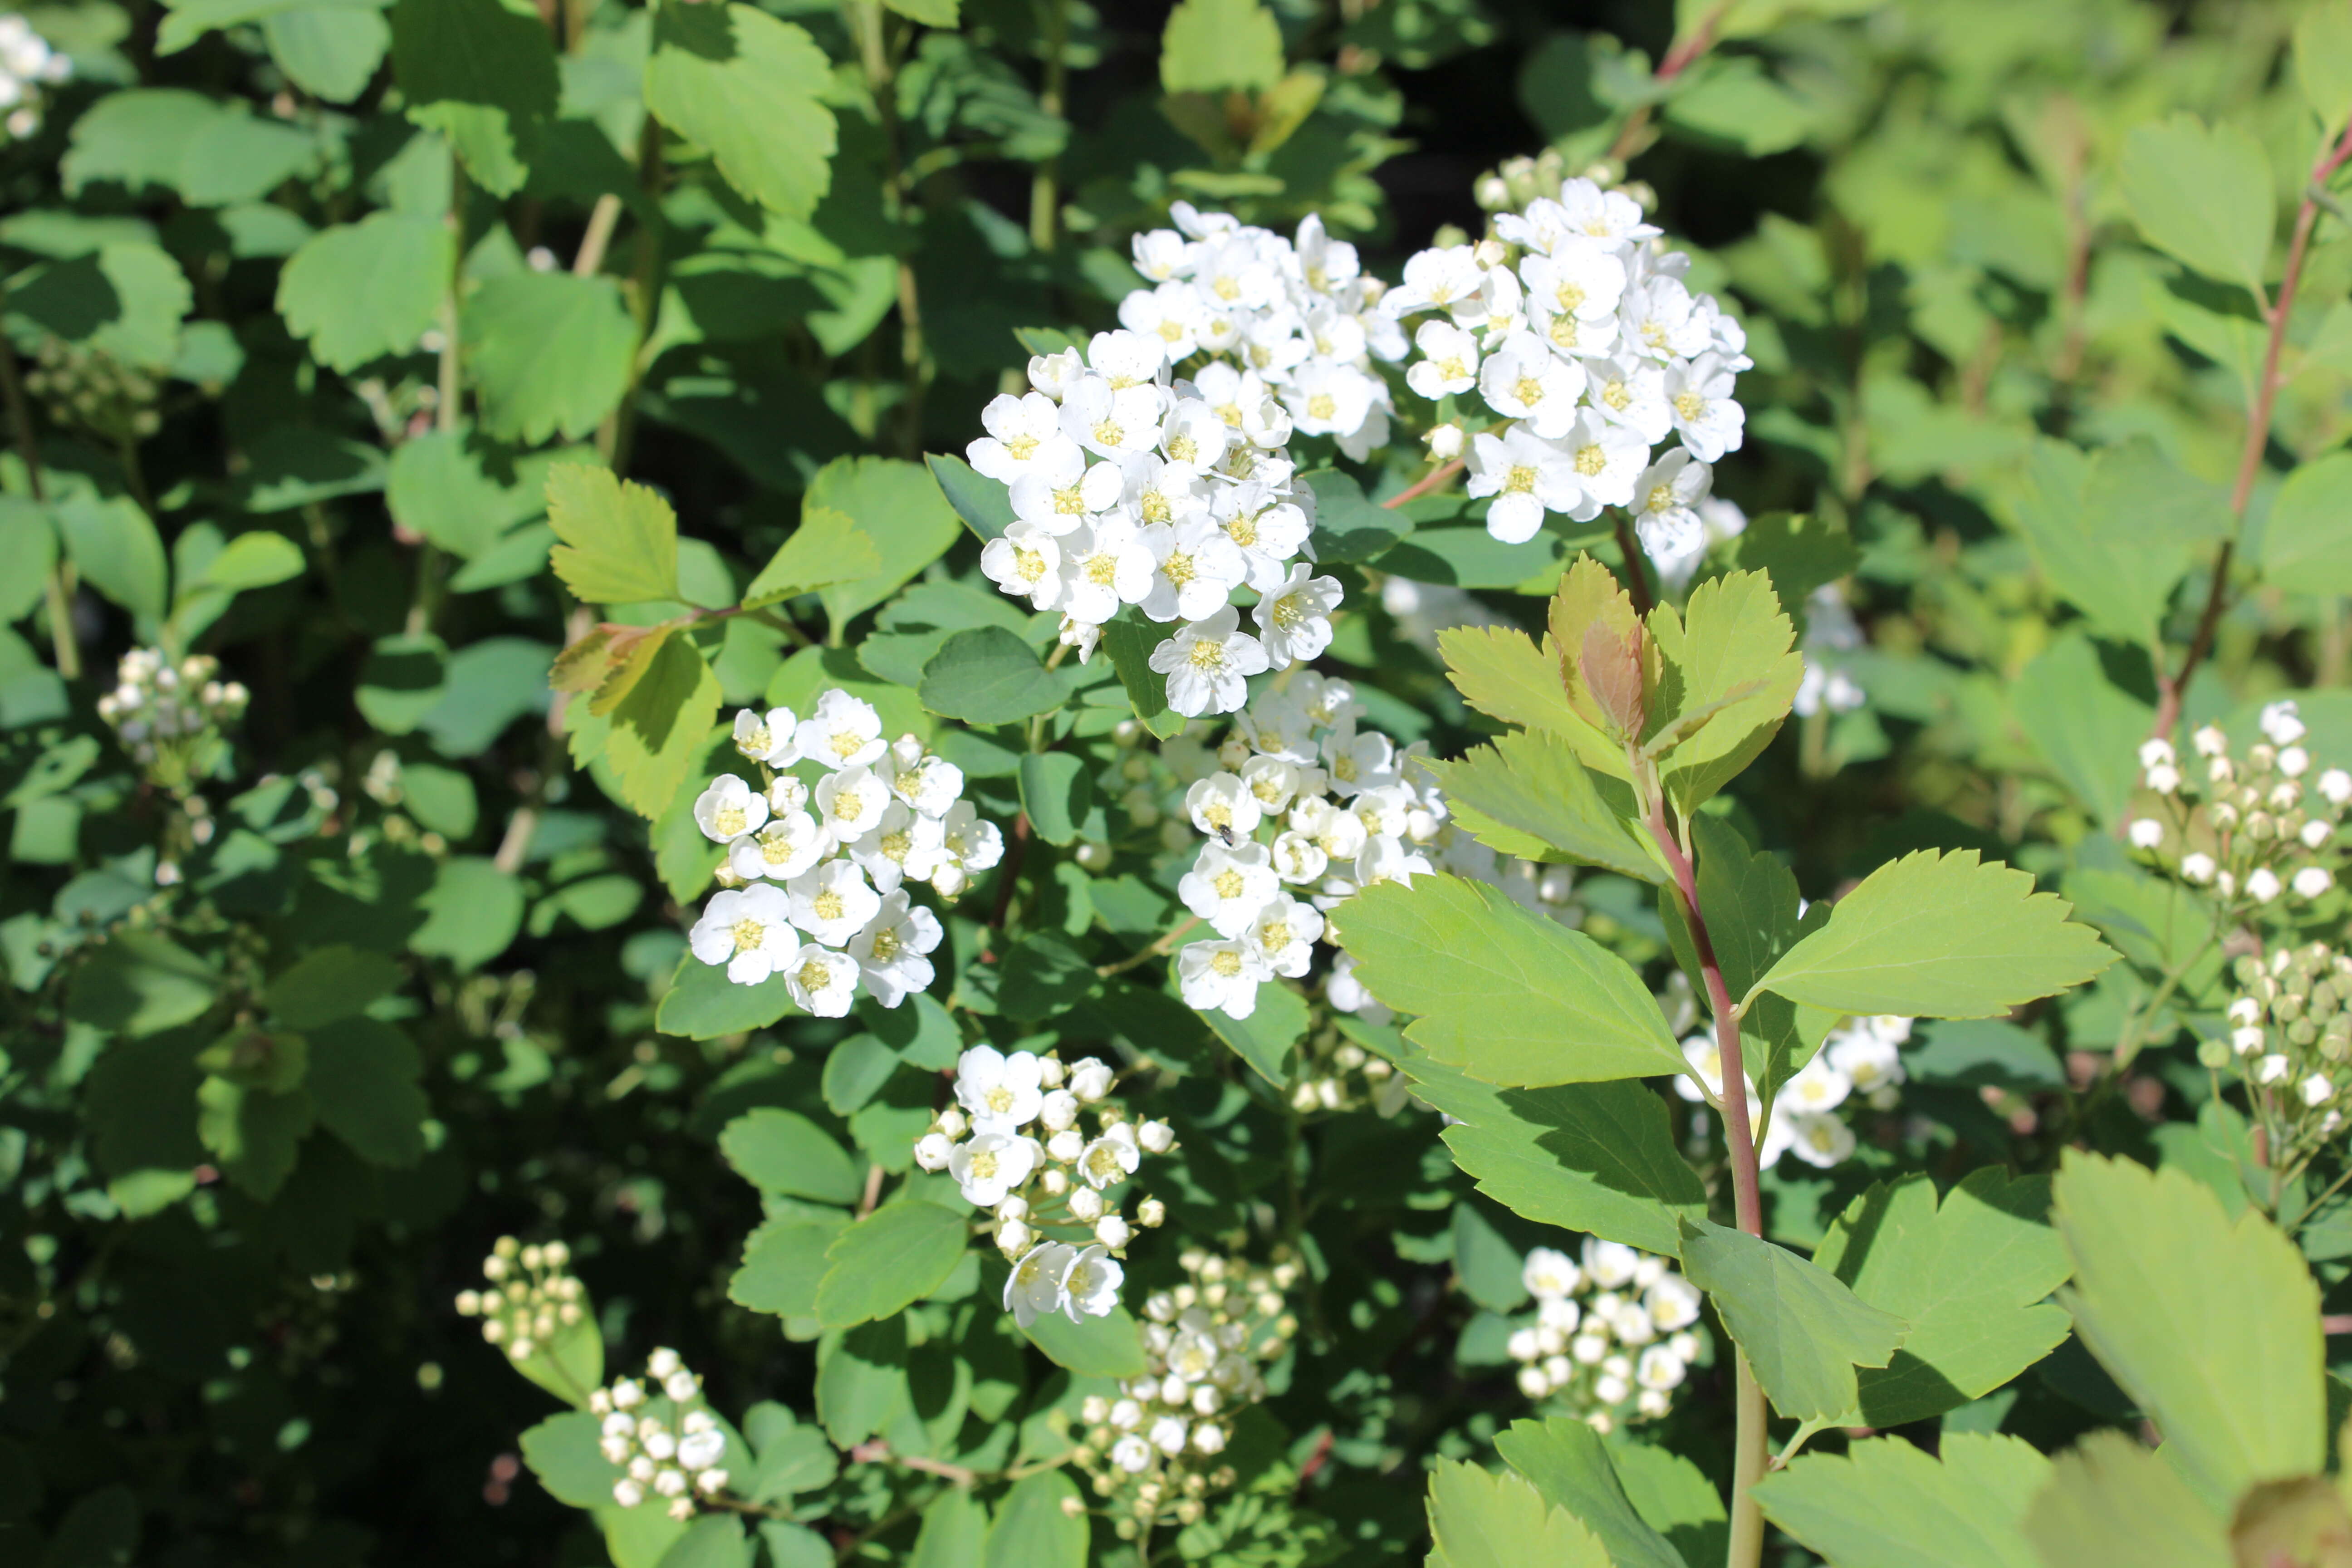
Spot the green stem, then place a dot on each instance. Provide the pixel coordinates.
(59, 591)
(1044, 193)
(2128, 1047)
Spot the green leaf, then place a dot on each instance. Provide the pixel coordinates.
(2113, 1504)
(563, 1452)
(1501, 673)
(1888, 1503)
(750, 90)
(550, 352)
(254, 560)
(825, 549)
(1264, 1039)
(1531, 784)
(1484, 1520)
(1675, 1496)
(662, 727)
(136, 138)
(930, 12)
(1568, 1463)
(1804, 1332)
(2323, 64)
(136, 982)
(1971, 1278)
(2084, 726)
(1057, 792)
(253, 1132)
(782, 1261)
(1212, 46)
(1348, 525)
(793, 1457)
(117, 550)
(472, 912)
(332, 982)
(784, 1152)
(711, 1541)
(893, 1258)
(620, 539)
(702, 1003)
(402, 681)
(1109, 1346)
(2113, 531)
(1939, 935)
(483, 73)
(2204, 195)
(1508, 996)
(985, 506)
(2307, 537)
(2212, 1327)
(328, 51)
(861, 1380)
(1588, 1157)
(953, 1525)
(1799, 552)
(987, 676)
(570, 1364)
(125, 301)
(900, 508)
(1730, 654)
(363, 1084)
(365, 290)
(1130, 641)
(1031, 1530)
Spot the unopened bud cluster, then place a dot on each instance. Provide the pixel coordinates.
(1611, 1338)
(92, 389)
(530, 1298)
(2250, 827)
(27, 65)
(1152, 1453)
(2290, 1039)
(658, 1434)
(169, 714)
(1335, 1073)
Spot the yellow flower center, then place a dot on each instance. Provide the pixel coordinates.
(775, 846)
(826, 906)
(885, 945)
(1528, 390)
(1452, 368)
(1171, 330)
(1183, 447)
(896, 845)
(1021, 447)
(1322, 406)
(1590, 461)
(1662, 499)
(1102, 569)
(1229, 884)
(1520, 480)
(748, 934)
(1288, 612)
(1109, 434)
(1318, 281)
(1343, 768)
(847, 743)
(848, 806)
(730, 820)
(1563, 331)
(999, 1099)
(1231, 413)
(1242, 528)
(1266, 789)
(1207, 654)
(1102, 1163)
(1029, 563)
(1226, 288)
(1177, 567)
(1226, 962)
(1618, 396)
(1653, 333)
(1241, 462)
(1570, 295)
(755, 742)
(1069, 502)
(983, 1165)
(1154, 507)
(1689, 405)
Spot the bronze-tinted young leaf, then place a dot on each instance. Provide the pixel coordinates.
(1587, 596)
(1610, 667)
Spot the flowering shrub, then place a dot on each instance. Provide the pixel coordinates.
(1072, 837)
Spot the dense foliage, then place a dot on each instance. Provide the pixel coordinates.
(993, 782)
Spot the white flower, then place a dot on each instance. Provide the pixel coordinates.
(1298, 860)
(1113, 421)
(1058, 1112)
(2147, 833)
(1699, 393)
(1209, 1438)
(1090, 1284)
(1820, 1140)
(2335, 786)
(929, 785)
(729, 809)
(1610, 1264)
(1131, 1454)
(1451, 361)
(1207, 663)
(1818, 1086)
(1168, 1434)
(2197, 867)
(1607, 462)
(1385, 859)
(932, 1150)
(1550, 1274)
(1228, 886)
(1034, 1288)
(789, 844)
(2210, 740)
(1049, 373)
(1194, 438)
(1660, 1368)
(2281, 721)
(1272, 781)
(2153, 752)
(1436, 279)
(1293, 619)
(2317, 1090)
(832, 902)
(1002, 1093)
(1673, 1304)
(1524, 380)
(1103, 567)
(749, 930)
(1222, 801)
(2293, 760)
(1020, 430)
(904, 844)
(2163, 778)
(843, 732)
(1109, 1159)
(990, 1166)
(1629, 391)
(1061, 490)
(1581, 276)
(771, 739)
(1113, 1232)
(1658, 320)
(2262, 884)
(851, 803)
(1025, 562)
(1221, 976)
(890, 951)
(1665, 501)
(2310, 882)
(1527, 476)
(1090, 1079)
(968, 844)
(1283, 934)
(1867, 1060)
(1195, 565)
(1169, 313)
(1326, 398)
(823, 983)
(1268, 531)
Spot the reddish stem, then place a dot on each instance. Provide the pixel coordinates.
(1637, 579)
(1700, 39)
(1427, 482)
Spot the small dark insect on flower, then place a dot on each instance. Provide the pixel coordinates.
(1226, 833)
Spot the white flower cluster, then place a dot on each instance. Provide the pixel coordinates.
(1830, 629)
(1042, 1190)
(2290, 1039)
(27, 64)
(169, 712)
(1573, 324)
(1614, 1330)
(818, 859)
(671, 1454)
(1205, 1344)
(1860, 1063)
(2249, 830)
(532, 1298)
(1132, 485)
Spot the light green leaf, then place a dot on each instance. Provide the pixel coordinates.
(1731, 652)
(1675, 1496)
(1129, 642)
(1508, 996)
(825, 549)
(1348, 525)
(254, 559)
(136, 138)
(952, 1527)
(930, 12)
(361, 292)
(784, 1152)
(116, 549)
(1566, 1461)
(1265, 1037)
(1800, 552)
(1032, 1528)
(2084, 725)
(988, 676)
(363, 1083)
(329, 51)
(620, 539)
(900, 508)
(861, 1380)
(2113, 532)
(472, 912)
(563, 1452)
(1109, 1346)
(659, 729)
(402, 681)
(239, 157)
(793, 1457)
(2111, 1503)
(985, 506)
(702, 1003)
(750, 90)
(1484, 1520)
(782, 1261)
(1213, 45)
(1935, 935)
(330, 984)
(2323, 64)
(1803, 1330)
(1971, 1278)
(893, 1258)
(483, 73)
(2211, 1327)
(550, 353)
(1501, 673)
(1530, 784)
(2204, 195)
(1596, 1157)
(1888, 1503)
(2307, 537)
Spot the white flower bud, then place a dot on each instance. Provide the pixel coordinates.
(2210, 740)
(1157, 1137)
(614, 1449)
(2262, 884)
(1208, 1437)
(1050, 1071)
(2164, 778)
(2293, 760)
(681, 1386)
(641, 1470)
(1059, 1112)
(1012, 1237)
(1054, 1182)
(1015, 1208)
(1113, 1232)
(670, 1483)
(2312, 881)
(1085, 1204)
(1066, 1146)
(2317, 1090)
(1152, 1213)
(932, 1150)
(2335, 786)
(2147, 833)
(1444, 441)
(1090, 1079)
(628, 1494)
(951, 1122)
(711, 1482)
(2197, 867)
(2272, 1069)
(661, 1445)
(1533, 1383)
(2155, 753)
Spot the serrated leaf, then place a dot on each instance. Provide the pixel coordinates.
(2212, 1327)
(2307, 537)
(549, 353)
(364, 290)
(659, 729)
(1888, 1503)
(987, 676)
(1567, 1462)
(483, 73)
(750, 89)
(563, 1452)
(253, 1133)
(1729, 660)
(1804, 1331)
(2111, 1503)
(1938, 935)
(1751, 902)
(1799, 552)
(2203, 194)
(1214, 46)
(825, 549)
(1970, 1276)
(793, 1457)
(332, 982)
(1501, 673)
(784, 1152)
(363, 1084)
(620, 539)
(1531, 784)
(888, 1262)
(1485, 1520)
(1508, 996)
